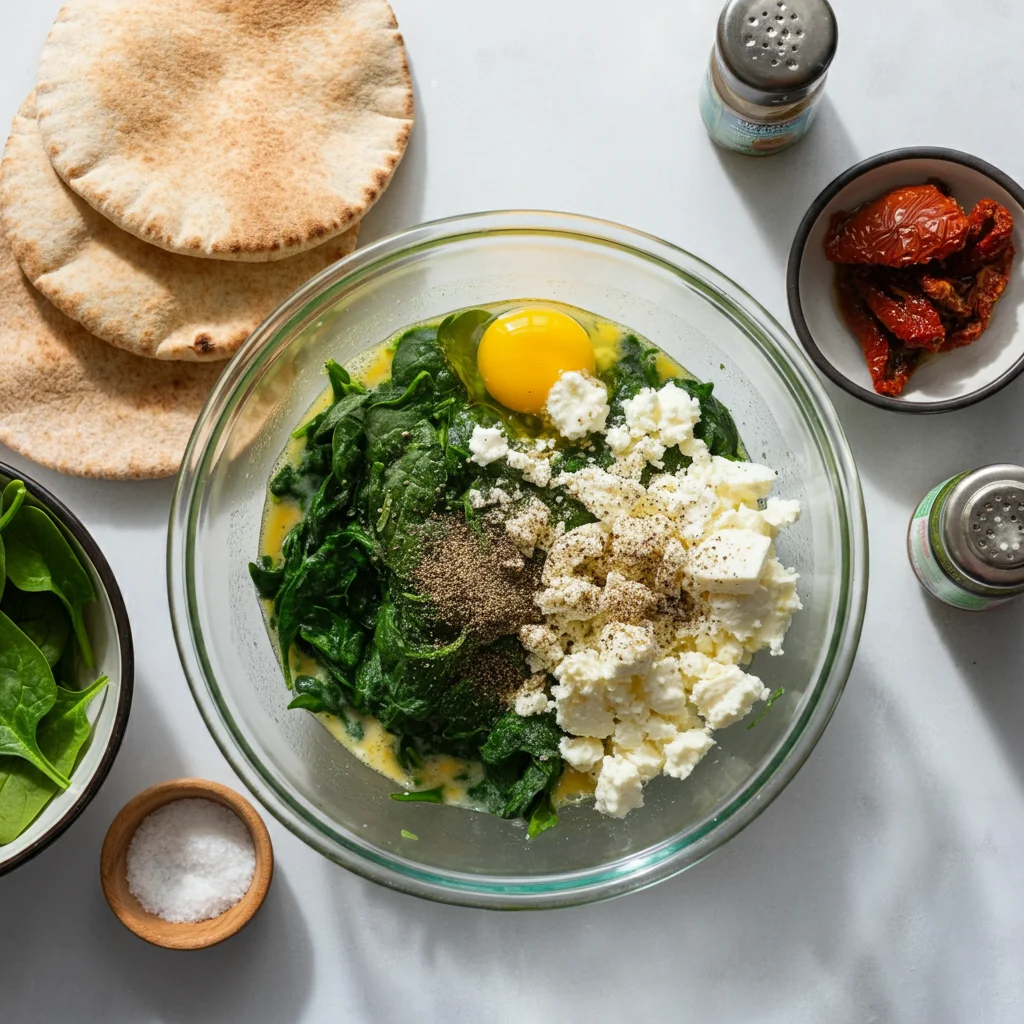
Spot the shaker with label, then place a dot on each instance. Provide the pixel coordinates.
(767, 72)
(966, 540)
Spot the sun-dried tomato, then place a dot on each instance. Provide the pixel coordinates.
(989, 228)
(889, 362)
(908, 226)
(910, 317)
(950, 296)
(989, 285)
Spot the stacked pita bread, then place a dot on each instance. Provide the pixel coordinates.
(181, 168)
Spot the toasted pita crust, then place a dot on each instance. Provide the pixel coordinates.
(134, 295)
(80, 406)
(234, 129)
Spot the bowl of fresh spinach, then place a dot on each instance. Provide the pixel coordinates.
(299, 770)
(66, 668)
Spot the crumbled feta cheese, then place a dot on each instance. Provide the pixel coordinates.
(581, 752)
(628, 650)
(729, 562)
(683, 753)
(574, 548)
(577, 405)
(542, 646)
(530, 527)
(570, 597)
(619, 787)
(535, 470)
(664, 687)
(726, 693)
(603, 494)
(651, 611)
(495, 496)
(531, 702)
(488, 444)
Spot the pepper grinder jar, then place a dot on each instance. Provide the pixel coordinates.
(767, 73)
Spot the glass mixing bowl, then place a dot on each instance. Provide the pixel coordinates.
(291, 763)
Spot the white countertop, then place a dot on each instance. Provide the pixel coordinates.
(885, 884)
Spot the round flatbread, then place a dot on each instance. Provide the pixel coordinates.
(144, 299)
(78, 405)
(235, 129)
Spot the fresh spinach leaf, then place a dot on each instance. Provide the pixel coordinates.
(13, 498)
(40, 559)
(543, 817)
(27, 693)
(42, 618)
(24, 790)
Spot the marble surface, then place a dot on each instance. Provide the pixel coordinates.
(885, 883)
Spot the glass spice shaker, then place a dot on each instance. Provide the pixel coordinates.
(767, 72)
(966, 540)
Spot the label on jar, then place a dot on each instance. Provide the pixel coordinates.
(752, 138)
(926, 560)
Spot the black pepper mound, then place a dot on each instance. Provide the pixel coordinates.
(478, 582)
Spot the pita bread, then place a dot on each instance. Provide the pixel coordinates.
(234, 129)
(81, 406)
(131, 294)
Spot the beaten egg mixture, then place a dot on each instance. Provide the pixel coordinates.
(651, 613)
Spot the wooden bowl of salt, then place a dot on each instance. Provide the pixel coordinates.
(188, 876)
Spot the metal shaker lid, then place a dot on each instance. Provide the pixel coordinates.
(773, 52)
(983, 525)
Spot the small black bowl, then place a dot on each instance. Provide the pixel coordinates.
(110, 632)
(950, 380)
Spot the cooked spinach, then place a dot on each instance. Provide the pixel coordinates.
(24, 790)
(422, 796)
(376, 470)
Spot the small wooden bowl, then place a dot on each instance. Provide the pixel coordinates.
(114, 867)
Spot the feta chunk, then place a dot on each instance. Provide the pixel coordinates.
(619, 787)
(570, 597)
(581, 752)
(726, 694)
(487, 445)
(729, 562)
(535, 468)
(684, 752)
(577, 405)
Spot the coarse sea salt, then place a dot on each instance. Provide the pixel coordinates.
(190, 860)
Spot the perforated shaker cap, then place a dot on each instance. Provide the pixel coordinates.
(773, 52)
(983, 525)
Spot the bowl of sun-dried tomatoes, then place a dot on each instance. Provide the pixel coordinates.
(906, 280)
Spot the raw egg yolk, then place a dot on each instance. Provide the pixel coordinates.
(523, 352)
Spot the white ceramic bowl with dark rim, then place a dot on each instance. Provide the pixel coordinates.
(949, 380)
(106, 620)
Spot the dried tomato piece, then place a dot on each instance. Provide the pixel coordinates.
(989, 229)
(989, 285)
(948, 295)
(889, 363)
(907, 226)
(910, 317)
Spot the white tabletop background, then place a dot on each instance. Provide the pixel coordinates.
(885, 884)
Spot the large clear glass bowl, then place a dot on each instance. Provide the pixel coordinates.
(291, 763)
